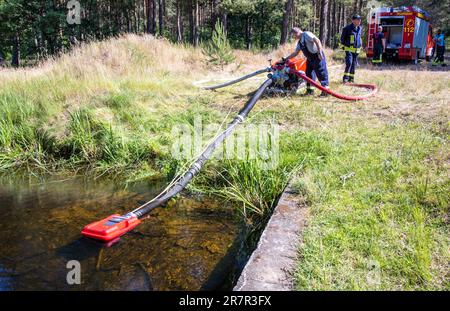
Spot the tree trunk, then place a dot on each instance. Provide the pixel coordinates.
(323, 22)
(147, 14)
(196, 24)
(249, 32)
(16, 51)
(342, 13)
(224, 20)
(316, 14)
(154, 16)
(214, 12)
(313, 24)
(128, 21)
(345, 15)
(161, 4)
(262, 28)
(294, 17)
(179, 22)
(333, 21)
(151, 16)
(338, 25)
(286, 16)
(191, 21)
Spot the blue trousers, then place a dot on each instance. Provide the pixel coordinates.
(316, 67)
(351, 60)
(440, 52)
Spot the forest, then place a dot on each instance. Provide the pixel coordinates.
(32, 30)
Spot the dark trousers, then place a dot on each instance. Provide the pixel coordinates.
(316, 67)
(351, 59)
(440, 51)
(377, 55)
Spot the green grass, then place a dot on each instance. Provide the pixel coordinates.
(377, 199)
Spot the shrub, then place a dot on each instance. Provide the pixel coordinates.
(218, 50)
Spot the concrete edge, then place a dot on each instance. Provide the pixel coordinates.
(271, 265)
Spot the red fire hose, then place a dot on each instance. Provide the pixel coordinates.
(371, 87)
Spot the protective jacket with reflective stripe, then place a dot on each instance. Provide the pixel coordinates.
(351, 38)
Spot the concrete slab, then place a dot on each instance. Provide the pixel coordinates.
(271, 265)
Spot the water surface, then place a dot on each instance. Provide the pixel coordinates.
(193, 243)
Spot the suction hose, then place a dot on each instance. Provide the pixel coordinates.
(198, 164)
(214, 87)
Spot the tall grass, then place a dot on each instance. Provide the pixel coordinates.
(106, 106)
(254, 188)
(253, 185)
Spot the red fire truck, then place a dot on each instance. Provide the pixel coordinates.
(407, 30)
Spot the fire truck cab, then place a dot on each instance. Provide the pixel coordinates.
(407, 30)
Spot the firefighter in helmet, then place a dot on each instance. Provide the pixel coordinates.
(351, 43)
(379, 46)
(316, 64)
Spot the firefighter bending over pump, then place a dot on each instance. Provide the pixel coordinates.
(316, 64)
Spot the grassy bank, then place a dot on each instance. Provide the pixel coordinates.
(379, 203)
(379, 211)
(105, 107)
(373, 174)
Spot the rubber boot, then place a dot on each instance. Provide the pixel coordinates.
(323, 94)
(309, 91)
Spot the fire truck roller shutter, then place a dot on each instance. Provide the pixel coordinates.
(420, 36)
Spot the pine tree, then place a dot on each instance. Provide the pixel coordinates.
(218, 50)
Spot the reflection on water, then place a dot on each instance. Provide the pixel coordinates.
(191, 244)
